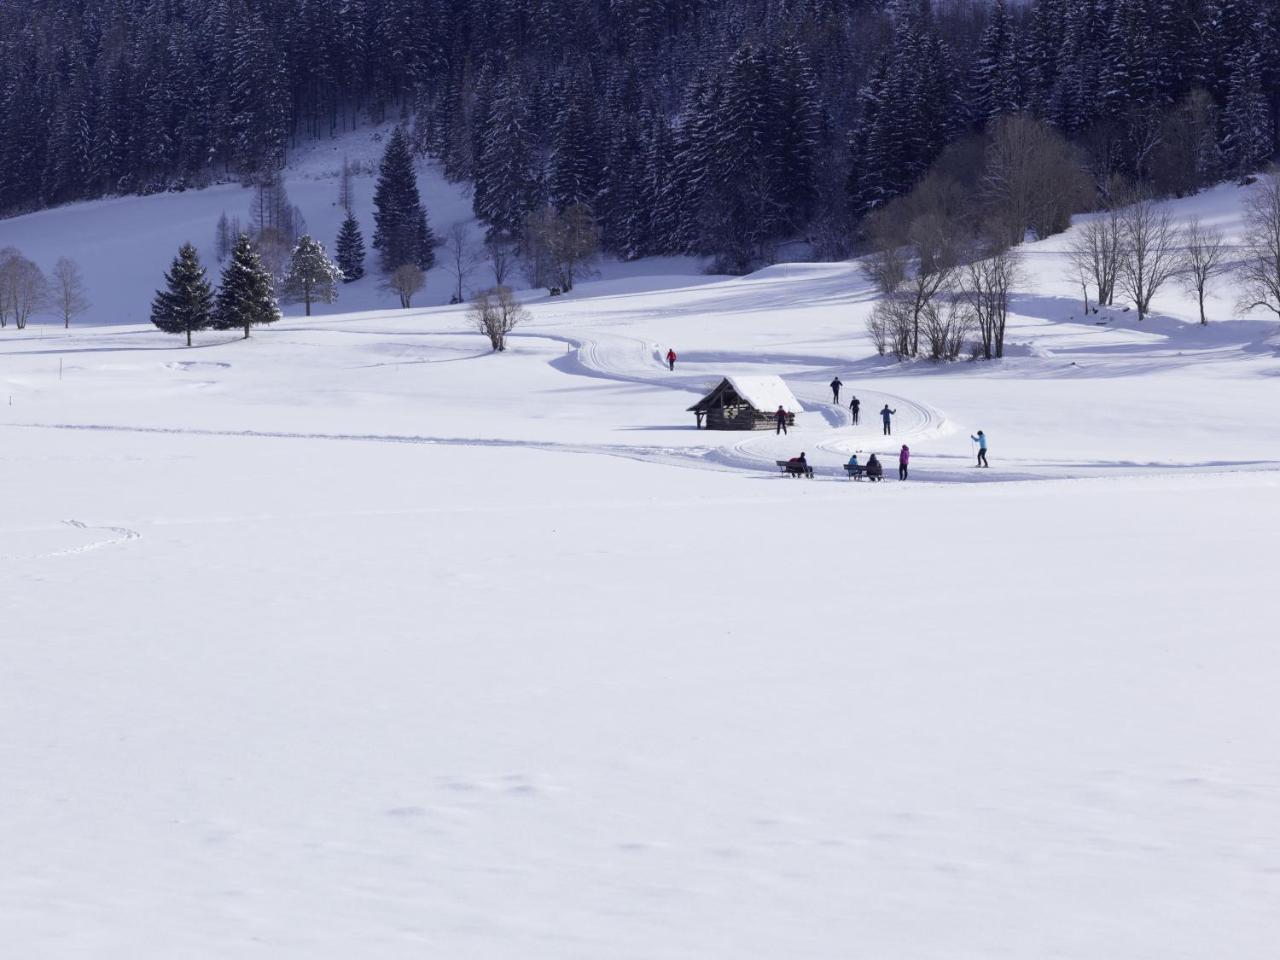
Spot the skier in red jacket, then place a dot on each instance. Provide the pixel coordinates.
(671, 359)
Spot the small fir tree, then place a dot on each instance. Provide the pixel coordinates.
(186, 303)
(311, 276)
(350, 250)
(247, 296)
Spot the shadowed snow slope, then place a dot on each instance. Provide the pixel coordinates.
(355, 639)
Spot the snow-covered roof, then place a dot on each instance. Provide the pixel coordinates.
(766, 394)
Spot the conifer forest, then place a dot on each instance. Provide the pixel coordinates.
(716, 127)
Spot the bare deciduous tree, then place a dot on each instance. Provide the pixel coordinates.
(947, 322)
(934, 244)
(535, 250)
(984, 286)
(1202, 259)
(1094, 255)
(886, 265)
(1188, 157)
(890, 327)
(1260, 267)
(6, 254)
(405, 281)
(346, 187)
(462, 256)
(68, 291)
(495, 313)
(1033, 179)
(23, 287)
(559, 247)
(502, 257)
(1149, 252)
(576, 245)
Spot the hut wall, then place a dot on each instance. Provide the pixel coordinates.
(741, 418)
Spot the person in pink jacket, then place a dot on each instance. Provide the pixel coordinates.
(904, 457)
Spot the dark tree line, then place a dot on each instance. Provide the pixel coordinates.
(721, 127)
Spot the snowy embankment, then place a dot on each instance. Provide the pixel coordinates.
(354, 639)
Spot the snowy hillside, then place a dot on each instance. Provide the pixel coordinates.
(354, 639)
(124, 245)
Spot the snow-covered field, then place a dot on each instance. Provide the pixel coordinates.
(356, 640)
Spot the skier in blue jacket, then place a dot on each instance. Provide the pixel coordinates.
(885, 416)
(981, 441)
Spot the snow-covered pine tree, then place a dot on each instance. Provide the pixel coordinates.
(1075, 101)
(506, 185)
(350, 250)
(401, 234)
(247, 296)
(660, 197)
(1042, 47)
(1249, 134)
(620, 206)
(186, 302)
(311, 276)
(575, 163)
(996, 80)
(795, 136)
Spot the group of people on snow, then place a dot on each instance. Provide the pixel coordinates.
(874, 469)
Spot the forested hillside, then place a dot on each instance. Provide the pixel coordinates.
(719, 127)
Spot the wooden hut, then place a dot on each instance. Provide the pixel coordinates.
(745, 403)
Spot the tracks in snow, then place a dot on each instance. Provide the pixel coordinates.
(117, 535)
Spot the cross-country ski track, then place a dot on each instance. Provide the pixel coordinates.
(628, 360)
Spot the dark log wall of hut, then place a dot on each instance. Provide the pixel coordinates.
(741, 418)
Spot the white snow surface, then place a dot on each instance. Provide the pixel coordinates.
(765, 393)
(355, 639)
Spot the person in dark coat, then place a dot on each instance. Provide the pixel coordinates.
(874, 469)
(781, 419)
(885, 415)
(671, 359)
(835, 390)
(904, 457)
(802, 463)
(854, 405)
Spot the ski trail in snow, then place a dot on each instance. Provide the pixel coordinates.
(751, 453)
(118, 535)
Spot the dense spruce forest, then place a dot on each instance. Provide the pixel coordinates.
(719, 127)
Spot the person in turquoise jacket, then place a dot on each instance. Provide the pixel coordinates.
(981, 441)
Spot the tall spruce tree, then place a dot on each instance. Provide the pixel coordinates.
(247, 297)
(996, 76)
(350, 250)
(401, 234)
(507, 187)
(186, 302)
(1247, 117)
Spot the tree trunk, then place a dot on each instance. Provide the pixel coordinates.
(188, 335)
(1203, 321)
(246, 331)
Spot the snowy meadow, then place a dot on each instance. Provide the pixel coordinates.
(355, 638)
